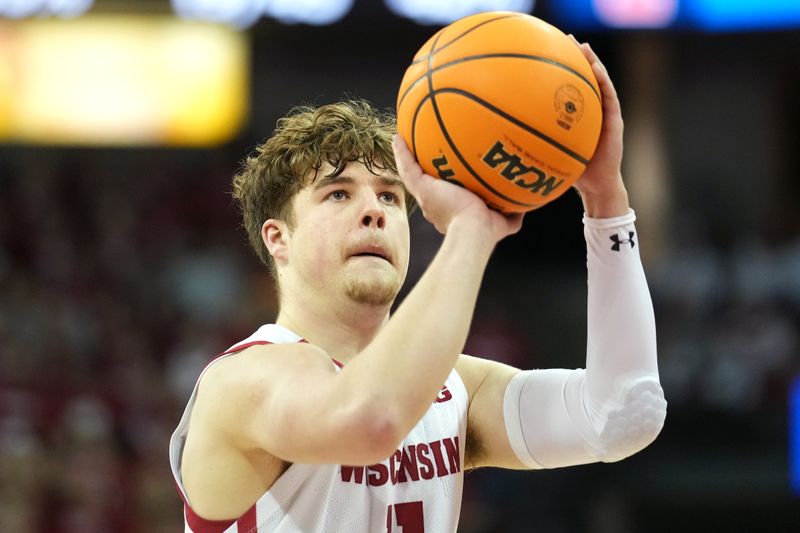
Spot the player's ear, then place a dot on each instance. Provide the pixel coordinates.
(274, 233)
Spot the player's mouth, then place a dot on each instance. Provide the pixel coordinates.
(372, 250)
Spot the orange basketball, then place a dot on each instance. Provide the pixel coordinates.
(503, 104)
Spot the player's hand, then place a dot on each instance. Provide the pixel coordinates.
(443, 202)
(601, 185)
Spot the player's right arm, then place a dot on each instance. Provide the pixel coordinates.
(289, 400)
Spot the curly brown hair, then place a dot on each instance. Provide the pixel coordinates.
(305, 139)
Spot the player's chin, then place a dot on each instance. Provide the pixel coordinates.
(373, 288)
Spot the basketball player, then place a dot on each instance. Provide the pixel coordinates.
(340, 418)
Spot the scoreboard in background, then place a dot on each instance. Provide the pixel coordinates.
(122, 80)
(703, 15)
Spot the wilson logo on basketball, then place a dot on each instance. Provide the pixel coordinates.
(525, 176)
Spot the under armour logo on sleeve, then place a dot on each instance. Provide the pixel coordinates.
(617, 241)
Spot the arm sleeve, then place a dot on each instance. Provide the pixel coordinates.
(615, 407)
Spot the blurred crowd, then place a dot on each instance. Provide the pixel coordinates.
(728, 318)
(120, 276)
(122, 273)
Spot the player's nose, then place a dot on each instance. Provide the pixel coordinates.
(372, 213)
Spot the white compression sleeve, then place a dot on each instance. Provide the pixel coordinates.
(615, 407)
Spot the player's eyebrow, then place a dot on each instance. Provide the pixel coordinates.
(329, 180)
(390, 182)
(342, 179)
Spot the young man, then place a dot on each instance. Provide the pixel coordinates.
(339, 417)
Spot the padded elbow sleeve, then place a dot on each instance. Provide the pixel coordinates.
(616, 406)
(551, 421)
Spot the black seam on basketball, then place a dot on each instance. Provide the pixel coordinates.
(433, 101)
(475, 27)
(533, 131)
(430, 81)
(414, 128)
(431, 94)
(506, 55)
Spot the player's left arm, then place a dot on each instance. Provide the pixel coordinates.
(610, 410)
(488, 443)
(615, 406)
(558, 417)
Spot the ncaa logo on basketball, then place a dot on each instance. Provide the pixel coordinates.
(525, 176)
(569, 106)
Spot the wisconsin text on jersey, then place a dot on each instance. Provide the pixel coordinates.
(424, 460)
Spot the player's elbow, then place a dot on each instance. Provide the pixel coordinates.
(635, 424)
(385, 438)
(374, 432)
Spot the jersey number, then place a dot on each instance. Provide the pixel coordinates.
(409, 517)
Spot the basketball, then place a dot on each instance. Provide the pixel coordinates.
(503, 104)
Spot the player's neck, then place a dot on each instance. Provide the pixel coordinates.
(342, 330)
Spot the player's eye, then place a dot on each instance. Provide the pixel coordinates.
(388, 197)
(338, 196)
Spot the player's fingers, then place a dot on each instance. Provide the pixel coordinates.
(407, 167)
(611, 105)
(599, 69)
(584, 48)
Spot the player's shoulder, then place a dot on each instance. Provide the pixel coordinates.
(260, 362)
(474, 371)
(239, 382)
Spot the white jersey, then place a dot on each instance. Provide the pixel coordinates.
(416, 489)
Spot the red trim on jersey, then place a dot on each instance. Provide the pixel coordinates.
(180, 492)
(247, 523)
(337, 363)
(241, 347)
(199, 524)
(236, 349)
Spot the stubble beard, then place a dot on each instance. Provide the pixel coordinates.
(372, 290)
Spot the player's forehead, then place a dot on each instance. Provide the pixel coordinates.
(354, 173)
